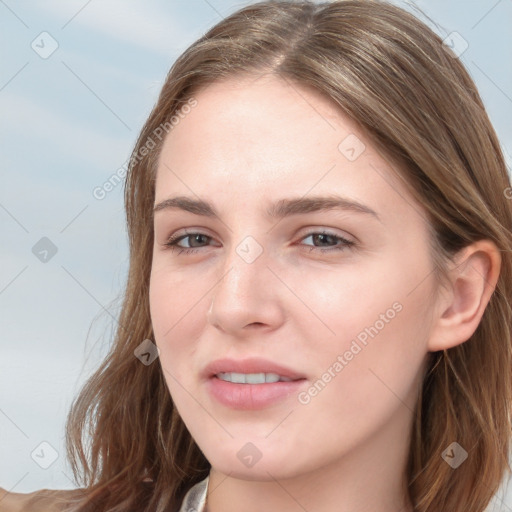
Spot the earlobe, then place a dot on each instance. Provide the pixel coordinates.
(473, 278)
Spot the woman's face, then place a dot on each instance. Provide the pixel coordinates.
(347, 321)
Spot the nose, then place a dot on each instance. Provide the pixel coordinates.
(247, 296)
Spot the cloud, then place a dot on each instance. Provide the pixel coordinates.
(38, 125)
(139, 23)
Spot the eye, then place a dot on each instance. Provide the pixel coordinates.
(325, 237)
(174, 240)
(199, 238)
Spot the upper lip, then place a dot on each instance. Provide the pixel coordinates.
(249, 365)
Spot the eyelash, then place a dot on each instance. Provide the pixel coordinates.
(172, 242)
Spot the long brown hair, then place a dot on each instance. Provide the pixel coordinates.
(415, 101)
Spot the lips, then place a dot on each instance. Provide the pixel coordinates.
(250, 366)
(251, 384)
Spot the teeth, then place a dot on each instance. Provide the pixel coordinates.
(255, 378)
(252, 378)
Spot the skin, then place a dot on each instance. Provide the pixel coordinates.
(247, 143)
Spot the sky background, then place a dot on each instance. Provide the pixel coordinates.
(77, 80)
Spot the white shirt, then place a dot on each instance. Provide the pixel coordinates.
(195, 499)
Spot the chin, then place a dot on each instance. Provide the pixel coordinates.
(256, 459)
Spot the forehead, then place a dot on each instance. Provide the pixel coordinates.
(269, 138)
(264, 116)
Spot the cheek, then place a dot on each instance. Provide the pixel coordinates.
(350, 302)
(371, 367)
(176, 307)
(172, 296)
(377, 313)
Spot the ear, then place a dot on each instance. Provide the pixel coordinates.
(473, 277)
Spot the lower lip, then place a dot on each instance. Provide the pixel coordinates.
(252, 396)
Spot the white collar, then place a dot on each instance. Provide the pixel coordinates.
(195, 498)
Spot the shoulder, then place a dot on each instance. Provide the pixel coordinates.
(43, 500)
(53, 500)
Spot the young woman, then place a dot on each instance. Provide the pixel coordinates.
(317, 314)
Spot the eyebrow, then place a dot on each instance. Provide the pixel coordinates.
(278, 210)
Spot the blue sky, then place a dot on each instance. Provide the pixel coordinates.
(69, 121)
